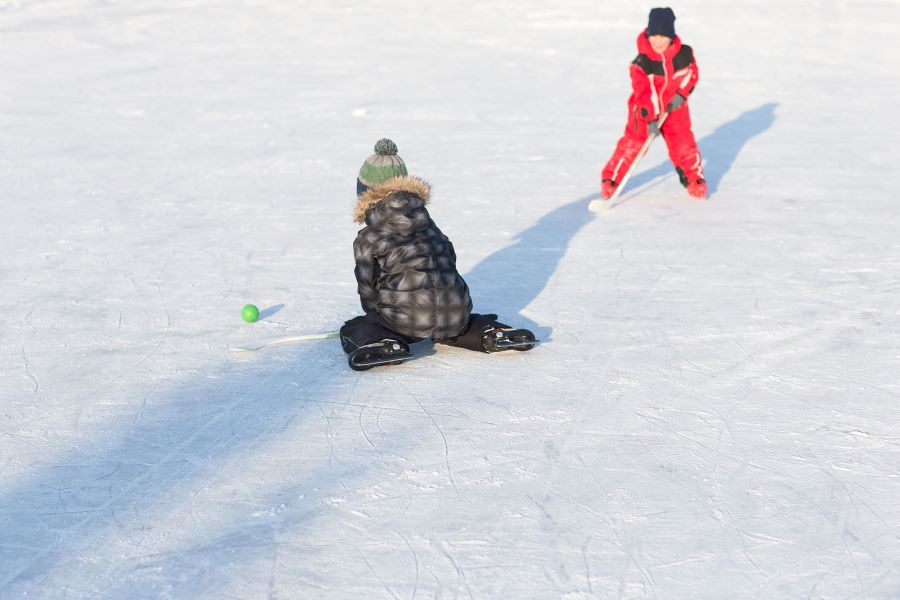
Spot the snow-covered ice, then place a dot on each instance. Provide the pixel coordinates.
(714, 413)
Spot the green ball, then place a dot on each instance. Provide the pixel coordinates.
(250, 313)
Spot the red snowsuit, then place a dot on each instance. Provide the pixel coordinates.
(655, 80)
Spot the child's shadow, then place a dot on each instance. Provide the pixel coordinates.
(508, 280)
(721, 147)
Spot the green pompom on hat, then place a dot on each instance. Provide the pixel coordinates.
(382, 165)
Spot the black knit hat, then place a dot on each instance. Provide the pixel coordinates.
(661, 22)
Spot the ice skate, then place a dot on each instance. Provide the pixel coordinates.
(385, 352)
(608, 188)
(697, 189)
(501, 337)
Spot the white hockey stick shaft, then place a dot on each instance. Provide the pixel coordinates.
(640, 155)
(287, 340)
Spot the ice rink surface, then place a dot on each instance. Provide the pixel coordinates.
(715, 412)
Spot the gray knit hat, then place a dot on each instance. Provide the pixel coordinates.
(382, 165)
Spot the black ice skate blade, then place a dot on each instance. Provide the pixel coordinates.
(508, 344)
(365, 365)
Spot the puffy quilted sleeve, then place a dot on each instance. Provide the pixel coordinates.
(366, 270)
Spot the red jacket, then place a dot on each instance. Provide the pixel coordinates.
(656, 78)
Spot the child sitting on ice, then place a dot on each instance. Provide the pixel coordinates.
(662, 77)
(406, 274)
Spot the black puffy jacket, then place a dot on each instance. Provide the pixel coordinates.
(405, 266)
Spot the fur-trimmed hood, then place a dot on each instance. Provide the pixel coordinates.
(375, 195)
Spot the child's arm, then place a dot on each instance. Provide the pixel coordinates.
(643, 91)
(366, 272)
(688, 77)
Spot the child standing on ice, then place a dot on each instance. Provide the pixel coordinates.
(406, 273)
(662, 77)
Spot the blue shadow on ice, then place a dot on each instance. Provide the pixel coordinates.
(73, 504)
(270, 311)
(505, 282)
(720, 148)
(82, 499)
(85, 498)
(508, 280)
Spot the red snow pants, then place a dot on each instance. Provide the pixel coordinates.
(676, 131)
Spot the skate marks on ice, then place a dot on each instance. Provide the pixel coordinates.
(104, 508)
(511, 278)
(248, 480)
(719, 149)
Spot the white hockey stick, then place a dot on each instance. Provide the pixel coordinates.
(287, 340)
(600, 204)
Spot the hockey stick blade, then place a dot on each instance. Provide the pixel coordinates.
(287, 340)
